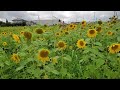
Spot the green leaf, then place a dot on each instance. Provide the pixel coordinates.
(37, 72)
(55, 72)
(87, 40)
(1, 64)
(47, 68)
(95, 51)
(7, 63)
(63, 71)
(82, 60)
(98, 43)
(1, 49)
(118, 39)
(92, 55)
(68, 58)
(22, 54)
(86, 50)
(19, 68)
(99, 62)
(101, 55)
(24, 62)
(118, 54)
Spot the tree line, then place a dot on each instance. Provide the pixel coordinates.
(6, 24)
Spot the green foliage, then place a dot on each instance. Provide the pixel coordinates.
(92, 62)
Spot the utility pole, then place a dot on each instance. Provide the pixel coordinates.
(52, 17)
(115, 13)
(38, 19)
(94, 16)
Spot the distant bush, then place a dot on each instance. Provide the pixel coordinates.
(3, 24)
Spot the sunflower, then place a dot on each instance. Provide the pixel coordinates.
(22, 32)
(28, 35)
(71, 26)
(91, 33)
(98, 29)
(54, 60)
(81, 43)
(100, 22)
(39, 31)
(4, 33)
(83, 23)
(109, 33)
(43, 55)
(15, 58)
(74, 26)
(67, 29)
(61, 45)
(66, 32)
(4, 44)
(16, 38)
(113, 21)
(109, 24)
(61, 31)
(114, 48)
(57, 34)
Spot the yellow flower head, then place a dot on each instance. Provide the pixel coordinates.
(83, 23)
(109, 33)
(114, 48)
(28, 35)
(91, 33)
(4, 33)
(66, 32)
(99, 29)
(4, 44)
(71, 26)
(61, 45)
(39, 31)
(81, 43)
(22, 32)
(43, 55)
(54, 60)
(57, 34)
(15, 58)
(99, 22)
(16, 38)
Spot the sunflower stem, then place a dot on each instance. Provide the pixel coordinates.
(62, 63)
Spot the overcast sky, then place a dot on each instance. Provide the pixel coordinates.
(67, 16)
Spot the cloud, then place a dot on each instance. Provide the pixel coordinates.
(67, 16)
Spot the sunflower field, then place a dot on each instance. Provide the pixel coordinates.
(74, 51)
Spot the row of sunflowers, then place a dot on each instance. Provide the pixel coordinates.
(73, 51)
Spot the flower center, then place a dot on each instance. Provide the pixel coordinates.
(114, 47)
(98, 29)
(92, 31)
(81, 43)
(39, 31)
(44, 54)
(61, 44)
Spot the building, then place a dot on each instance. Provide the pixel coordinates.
(29, 23)
(35, 22)
(75, 22)
(47, 22)
(18, 20)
